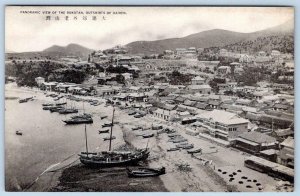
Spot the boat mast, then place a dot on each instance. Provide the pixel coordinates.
(111, 128)
(86, 143)
(83, 107)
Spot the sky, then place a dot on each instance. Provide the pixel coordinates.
(26, 27)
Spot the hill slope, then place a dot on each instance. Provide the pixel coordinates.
(69, 50)
(210, 38)
(213, 38)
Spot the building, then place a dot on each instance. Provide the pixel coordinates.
(245, 58)
(210, 65)
(275, 54)
(222, 124)
(168, 52)
(202, 89)
(39, 81)
(223, 70)
(165, 111)
(180, 51)
(48, 86)
(223, 52)
(198, 80)
(254, 142)
(285, 155)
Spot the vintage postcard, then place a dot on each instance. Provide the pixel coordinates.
(149, 99)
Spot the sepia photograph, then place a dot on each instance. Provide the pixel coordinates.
(149, 99)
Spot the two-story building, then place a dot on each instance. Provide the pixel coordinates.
(222, 124)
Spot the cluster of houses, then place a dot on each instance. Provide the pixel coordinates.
(261, 122)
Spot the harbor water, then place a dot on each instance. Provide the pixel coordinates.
(46, 139)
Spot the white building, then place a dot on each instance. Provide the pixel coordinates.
(39, 81)
(198, 80)
(222, 124)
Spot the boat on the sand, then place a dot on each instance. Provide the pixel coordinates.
(172, 149)
(145, 172)
(198, 150)
(47, 104)
(112, 158)
(103, 117)
(148, 135)
(107, 125)
(103, 131)
(63, 103)
(109, 138)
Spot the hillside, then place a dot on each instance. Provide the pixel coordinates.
(215, 37)
(69, 50)
(276, 38)
(220, 38)
(283, 43)
(54, 52)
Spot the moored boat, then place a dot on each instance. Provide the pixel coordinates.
(25, 100)
(19, 133)
(84, 115)
(56, 109)
(68, 111)
(79, 121)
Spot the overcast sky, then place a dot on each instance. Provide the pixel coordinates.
(31, 32)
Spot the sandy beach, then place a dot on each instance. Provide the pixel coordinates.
(212, 174)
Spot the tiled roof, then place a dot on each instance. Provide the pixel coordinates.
(257, 137)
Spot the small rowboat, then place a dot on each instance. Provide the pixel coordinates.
(107, 125)
(19, 133)
(136, 128)
(108, 138)
(194, 151)
(47, 104)
(148, 135)
(103, 131)
(189, 146)
(145, 172)
(172, 149)
(102, 117)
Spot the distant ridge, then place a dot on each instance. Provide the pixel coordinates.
(207, 39)
(69, 50)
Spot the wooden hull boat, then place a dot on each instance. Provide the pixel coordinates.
(145, 172)
(114, 159)
(104, 131)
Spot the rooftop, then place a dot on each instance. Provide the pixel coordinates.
(289, 142)
(222, 117)
(257, 137)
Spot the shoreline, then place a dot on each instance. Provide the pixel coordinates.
(201, 178)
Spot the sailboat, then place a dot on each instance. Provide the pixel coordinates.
(112, 158)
